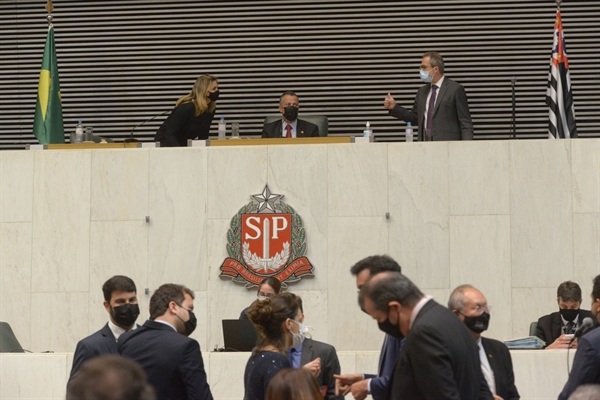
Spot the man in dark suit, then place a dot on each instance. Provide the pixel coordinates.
(470, 305)
(121, 304)
(440, 110)
(289, 126)
(552, 328)
(439, 359)
(360, 385)
(586, 365)
(310, 350)
(172, 361)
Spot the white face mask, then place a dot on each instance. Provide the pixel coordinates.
(298, 338)
(424, 75)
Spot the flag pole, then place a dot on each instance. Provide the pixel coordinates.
(49, 8)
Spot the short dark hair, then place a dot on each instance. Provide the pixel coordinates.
(596, 288)
(436, 60)
(375, 265)
(287, 93)
(268, 317)
(569, 291)
(117, 282)
(110, 377)
(271, 281)
(389, 286)
(293, 383)
(159, 302)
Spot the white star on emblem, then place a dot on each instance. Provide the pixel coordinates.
(266, 200)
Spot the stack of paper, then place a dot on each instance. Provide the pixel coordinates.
(528, 342)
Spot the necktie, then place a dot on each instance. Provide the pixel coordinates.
(430, 110)
(569, 328)
(289, 131)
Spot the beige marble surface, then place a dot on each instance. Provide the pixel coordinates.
(539, 374)
(16, 186)
(514, 218)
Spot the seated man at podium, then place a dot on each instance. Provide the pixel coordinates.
(552, 328)
(289, 126)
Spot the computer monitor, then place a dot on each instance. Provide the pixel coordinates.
(239, 335)
(8, 340)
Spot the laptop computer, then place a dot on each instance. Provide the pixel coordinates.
(239, 335)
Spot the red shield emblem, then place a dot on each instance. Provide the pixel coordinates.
(266, 241)
(266, 238)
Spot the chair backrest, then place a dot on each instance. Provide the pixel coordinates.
(321, 121)
(8, 340)
(533, 328)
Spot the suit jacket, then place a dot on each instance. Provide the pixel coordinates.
(172, 361)
(586, 365)
(549, 327)
(303, 129)
(390, 350)
(312, 349)
(451, 116)
(501, 363)
(439, 360)
(97, 344)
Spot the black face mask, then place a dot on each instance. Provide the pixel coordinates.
(391, 329)
(126, 314)
(290, 113)
(478, 324)
(569, 315)
(214, 96)
(190, 324)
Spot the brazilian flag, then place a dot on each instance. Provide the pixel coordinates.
(48, 121)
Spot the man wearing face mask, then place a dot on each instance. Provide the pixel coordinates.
(439, 359)
(121, 304)
(361, 385)
(172, 360)
(440, 110)
(310, 350)
(289, 126)
(552, 328)
(470, 305)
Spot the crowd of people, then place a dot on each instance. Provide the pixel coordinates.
(429, 351)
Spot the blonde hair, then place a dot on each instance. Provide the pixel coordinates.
(198, 95)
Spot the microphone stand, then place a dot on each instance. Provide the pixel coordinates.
(131, 139)
(513, 81)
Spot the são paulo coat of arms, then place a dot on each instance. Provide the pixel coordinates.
(266, 238)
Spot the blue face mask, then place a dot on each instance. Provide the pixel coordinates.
(425, 77)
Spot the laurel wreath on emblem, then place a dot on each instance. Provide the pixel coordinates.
(234, 235)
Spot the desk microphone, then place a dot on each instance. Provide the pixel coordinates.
(131, 139)
(585, 326)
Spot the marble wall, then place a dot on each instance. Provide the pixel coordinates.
(514, 218)
(539, 374)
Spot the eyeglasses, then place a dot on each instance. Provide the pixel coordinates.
(263, 296)
(487, 308)
(290, 105)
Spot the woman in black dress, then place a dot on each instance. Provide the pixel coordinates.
(277, 322)
(192, 115)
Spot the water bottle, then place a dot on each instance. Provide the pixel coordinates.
(368, 132)
(409, 132)
(222, 127)
(79, 132)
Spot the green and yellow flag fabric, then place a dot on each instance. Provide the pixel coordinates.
(48, 121)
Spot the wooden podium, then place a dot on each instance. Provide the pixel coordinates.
(277, 141)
